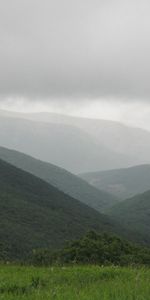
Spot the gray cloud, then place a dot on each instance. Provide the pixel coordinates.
(76, 49)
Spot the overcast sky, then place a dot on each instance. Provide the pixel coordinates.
(85, 57)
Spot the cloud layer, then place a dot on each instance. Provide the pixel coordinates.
(75, 49)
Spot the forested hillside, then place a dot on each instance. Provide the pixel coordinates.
(134, 213)
(60, 178)
(35, 214)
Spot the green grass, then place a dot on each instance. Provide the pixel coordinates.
(71, 283)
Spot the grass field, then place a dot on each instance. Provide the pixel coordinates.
(70, 283)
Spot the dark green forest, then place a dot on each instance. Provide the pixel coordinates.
(34, 214)
(134, 213)
(94, 248)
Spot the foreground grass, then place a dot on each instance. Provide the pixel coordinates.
(71, 283)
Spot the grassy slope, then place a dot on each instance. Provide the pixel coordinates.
(124, 183)
(60, 178)
(35, 214)
(72, 283)
(134, 213)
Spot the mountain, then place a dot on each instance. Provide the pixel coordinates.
(35, 214)
(64, 145)
(122, 139)
(134, 213)
(122, 183)
(60, 178)
(126, 140)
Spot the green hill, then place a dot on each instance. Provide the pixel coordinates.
(35, 214)
(60, 178)
(134, 213)
(122, 183)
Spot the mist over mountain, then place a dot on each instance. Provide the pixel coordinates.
(132, 145)
(64, 145)
(122, 183)
(130, 141)
(78, 145)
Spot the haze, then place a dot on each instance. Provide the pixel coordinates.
(87, 58)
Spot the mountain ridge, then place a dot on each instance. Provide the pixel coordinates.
(122, 183)
(60, 178)
(34, 214)
(123, 139)
(66, 146)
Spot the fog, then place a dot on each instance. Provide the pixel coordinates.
(83, 58)
(75, 50)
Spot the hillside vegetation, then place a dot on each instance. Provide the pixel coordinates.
(94, 248)
(134, 213)
(34, 214)
(61, 179)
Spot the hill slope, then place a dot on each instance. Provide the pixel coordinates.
(35, 214)
(134, 213)
(122, 183)
(60, 178)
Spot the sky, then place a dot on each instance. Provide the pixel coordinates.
(80, 57)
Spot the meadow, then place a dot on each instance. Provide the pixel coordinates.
(74, 282)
